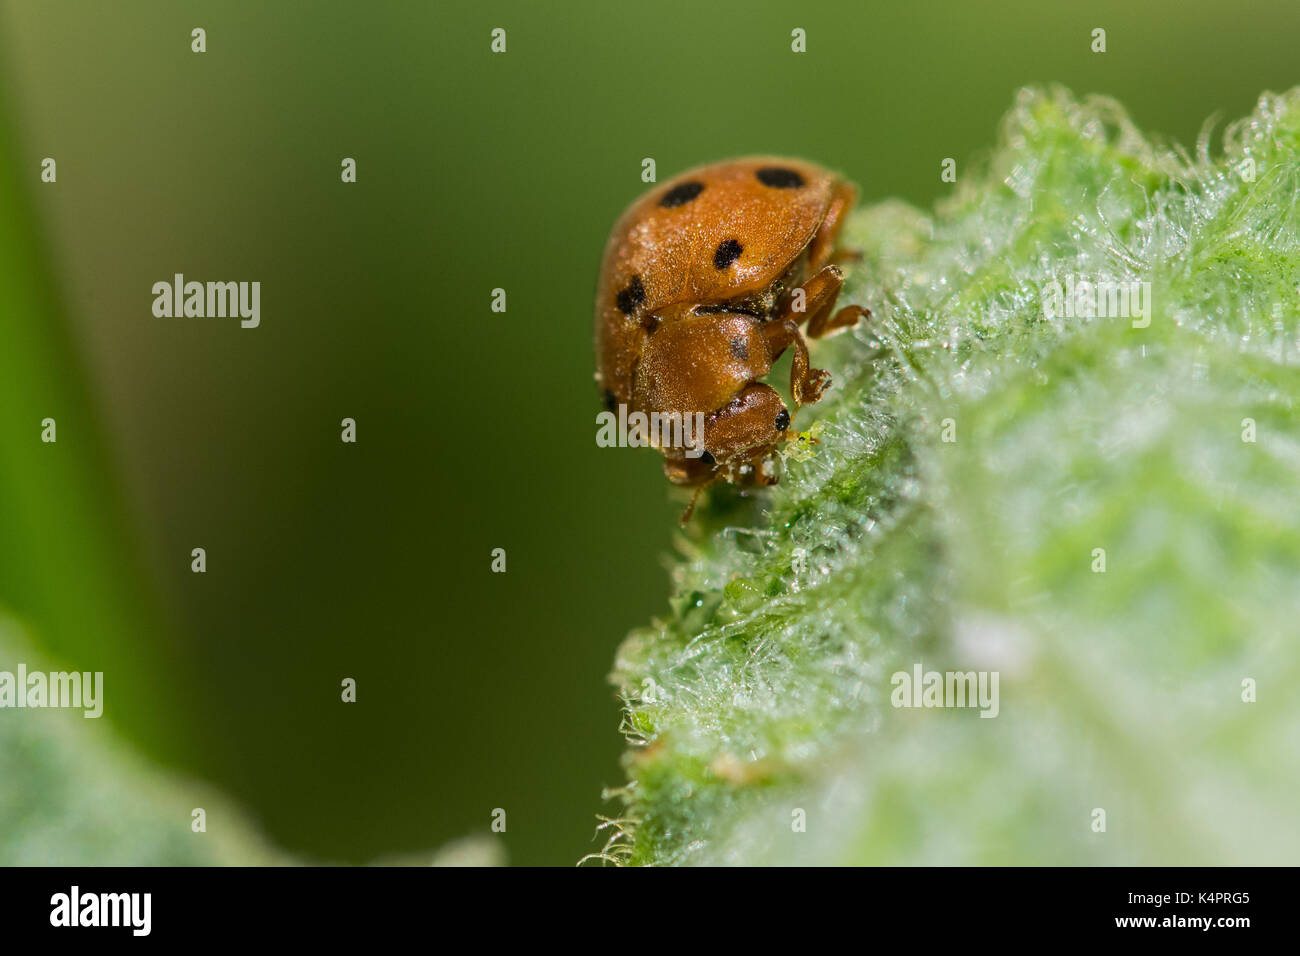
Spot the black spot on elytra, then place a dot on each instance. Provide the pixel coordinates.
(610, 401)
(779, 177)
(728, 251)
(740, 349)
(681, 194)
(707, 458)
(783, 420)
(631, 297)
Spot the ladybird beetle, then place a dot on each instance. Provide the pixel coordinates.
(704, 284)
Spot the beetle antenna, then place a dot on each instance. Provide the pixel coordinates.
(690, 508)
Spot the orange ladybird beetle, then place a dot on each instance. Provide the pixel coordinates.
(705, 282)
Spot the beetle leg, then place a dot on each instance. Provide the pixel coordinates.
(820, 326)
(819, 295)
(807, 383)
(844, 255)
(820, 251)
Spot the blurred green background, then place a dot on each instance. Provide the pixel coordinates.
(475, 429)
